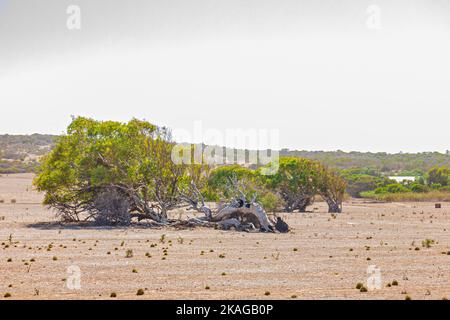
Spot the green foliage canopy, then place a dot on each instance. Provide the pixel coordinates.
(134, 157)
(439, 175)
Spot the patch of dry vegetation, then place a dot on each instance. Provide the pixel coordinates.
(432, 196)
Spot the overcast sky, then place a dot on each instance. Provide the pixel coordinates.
(327, 74)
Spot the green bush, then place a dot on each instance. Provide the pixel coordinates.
(392, 188)
(219, 180)
(251, 180)
(418, 188)
(270, 201)
(439, 175)
(360, 183)
(435, 186)
(296, 181)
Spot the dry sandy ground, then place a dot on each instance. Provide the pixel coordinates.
(323, 258)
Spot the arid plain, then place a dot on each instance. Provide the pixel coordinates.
(324, 257)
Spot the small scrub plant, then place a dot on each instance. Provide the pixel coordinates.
(140, 292)
(129, 253)
(113, 295)
(7, 295)
(395, 283)
(428, 243)
(359, 285)
(363, 289)
(267, 293)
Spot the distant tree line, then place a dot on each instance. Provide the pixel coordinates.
(384, 163)
(434, 184)
(17, 147)
(20, 153)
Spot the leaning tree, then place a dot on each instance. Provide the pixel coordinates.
(130, 161)
(331, 186)
(295, 182)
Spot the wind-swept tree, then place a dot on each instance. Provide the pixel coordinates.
(331, 186)
(439, 176)
(133, 159)
(295, 182)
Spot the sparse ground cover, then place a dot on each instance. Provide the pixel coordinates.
(324, 257)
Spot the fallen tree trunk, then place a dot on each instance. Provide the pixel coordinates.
(248, 213)
(239, 213)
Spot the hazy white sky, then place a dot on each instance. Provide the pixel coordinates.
(311, 69)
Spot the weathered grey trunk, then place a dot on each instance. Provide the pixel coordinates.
(253, 209)
(300, 204)
(333, 206)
